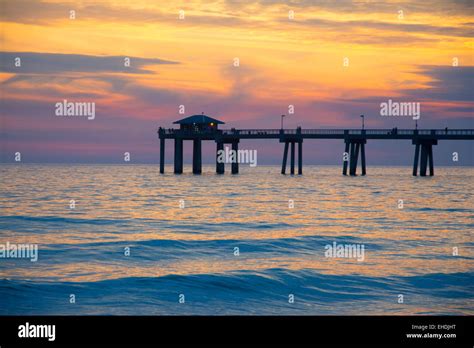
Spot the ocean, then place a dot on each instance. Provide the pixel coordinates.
(125, 240)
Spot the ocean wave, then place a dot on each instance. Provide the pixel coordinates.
(60, 220)
(168, 249)
(244, 292)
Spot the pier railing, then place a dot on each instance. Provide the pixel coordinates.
(252, 131)
(256, 132)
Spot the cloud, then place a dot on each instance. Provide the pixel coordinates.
(227, 12)
(447, 84)
(399, 40)
(345, 26)
(442, 7)
(39, 12)
(272, 15)
(55, 63)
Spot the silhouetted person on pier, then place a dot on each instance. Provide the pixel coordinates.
(446, 130)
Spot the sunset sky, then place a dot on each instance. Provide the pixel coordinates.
(399, 50)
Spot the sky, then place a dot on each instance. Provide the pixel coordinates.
(331, 60)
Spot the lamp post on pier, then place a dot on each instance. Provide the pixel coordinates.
(282, 121)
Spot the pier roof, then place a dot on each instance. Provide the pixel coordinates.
(198, 119)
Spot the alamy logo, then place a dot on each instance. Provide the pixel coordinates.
(237, 156)
(335, 250)
(66, 108)
(391, 108)
(37, 331)
(20, 251)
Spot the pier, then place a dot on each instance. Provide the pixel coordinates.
(198, 128)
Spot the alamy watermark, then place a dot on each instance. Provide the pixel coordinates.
(19, 251)
(66, 108)
(335, 250)
(37, 331)
(392, 108)
(237, 156)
